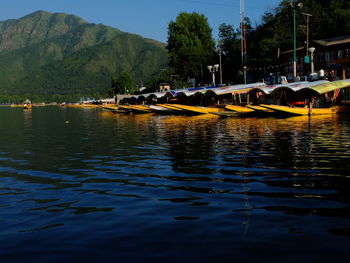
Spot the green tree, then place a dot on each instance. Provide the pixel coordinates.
(230, 45)
(329, 19)
(124, 84)
(190, 44)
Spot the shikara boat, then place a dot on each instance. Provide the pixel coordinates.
(175, 110)
(135, 108)
(160, 109)
(197, 109)
(306, 111)
(113, 108)
(27, 106)
(312, 92)
(260, 109)
(229, 114)
(237, 108)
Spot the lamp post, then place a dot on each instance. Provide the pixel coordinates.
(219, 50)
(312, 50)
(295, 5)
(212, 70)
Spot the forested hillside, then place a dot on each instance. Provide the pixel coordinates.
(49, 56)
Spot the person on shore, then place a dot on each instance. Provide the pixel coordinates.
(321, 74)
(332, 76)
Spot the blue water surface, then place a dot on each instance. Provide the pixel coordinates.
(86, 185)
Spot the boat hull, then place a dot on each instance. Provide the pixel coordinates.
(237, 108)
(197, 109)
(305, 111)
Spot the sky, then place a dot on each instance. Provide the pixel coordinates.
(148, 18)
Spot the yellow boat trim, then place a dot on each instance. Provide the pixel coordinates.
(169, 106)
(259, 108)
(142, 107)
(305, 110)
(109, 107)
(197, 109)
(238, 108)
(134, 108)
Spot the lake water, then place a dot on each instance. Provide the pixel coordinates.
(84, 185)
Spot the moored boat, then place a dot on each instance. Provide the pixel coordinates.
(135, 108)
(237, 108)
(27, 105)
(308, 111)
(198, 109)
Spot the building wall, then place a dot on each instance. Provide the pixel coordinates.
(326, 57)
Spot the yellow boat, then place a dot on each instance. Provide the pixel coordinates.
(141, 107)
(27, 106)
(91, 106)
(197, 109)
(259, 108)
(135, 108)
(17, 105)
(305, 110)
(169, 106)
(114, 108)
(237, 108)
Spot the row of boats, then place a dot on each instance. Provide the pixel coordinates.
(299, 98)
(226, 110)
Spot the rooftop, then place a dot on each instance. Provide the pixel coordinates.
(333, 41)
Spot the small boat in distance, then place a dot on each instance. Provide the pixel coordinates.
(27, 105)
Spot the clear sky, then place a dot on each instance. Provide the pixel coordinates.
(148, 18)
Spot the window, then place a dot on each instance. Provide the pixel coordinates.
(340, 54)
(327, 56)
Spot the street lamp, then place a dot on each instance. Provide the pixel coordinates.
(295, 5)
(312, 50)
(212, 70)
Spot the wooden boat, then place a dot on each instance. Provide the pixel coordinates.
(173, 108)
(237, 108)
(135, 108)
(113, 108)
(227, 113)
(260, 109)
(88, 105)
(27, 106)
(197, 109)
(306, 111)
(160, 109)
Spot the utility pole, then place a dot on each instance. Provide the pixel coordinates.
(243, 41)
(307, 18)
(294, 46)
(295, 4)
(219, 50)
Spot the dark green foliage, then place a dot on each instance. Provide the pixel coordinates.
(230, 45)
(330, 18)
(61, 56)
(190, 44)
(124, 84)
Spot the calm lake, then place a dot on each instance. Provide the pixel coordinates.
(85, 185)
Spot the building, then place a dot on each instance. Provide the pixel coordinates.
(331, 53)
(164, 87)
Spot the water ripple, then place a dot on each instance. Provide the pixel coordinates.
(146, 188)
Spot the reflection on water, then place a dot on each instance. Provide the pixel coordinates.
(85, 185)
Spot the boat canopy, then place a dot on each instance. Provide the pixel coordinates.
(319, 86)
(328, 86)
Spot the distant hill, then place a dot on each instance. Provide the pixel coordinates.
(48, 55)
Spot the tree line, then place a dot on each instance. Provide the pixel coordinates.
(192, 47)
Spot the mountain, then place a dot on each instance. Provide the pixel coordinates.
(45, 55)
